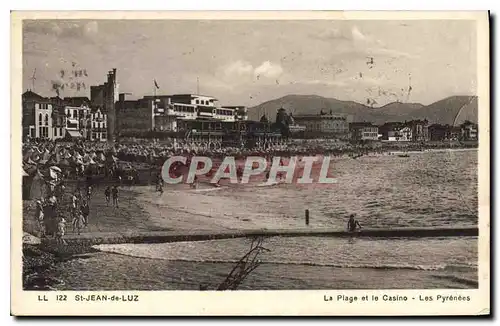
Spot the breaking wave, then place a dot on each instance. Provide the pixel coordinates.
(380, 266)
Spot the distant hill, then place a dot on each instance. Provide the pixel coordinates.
(447, 110)
(443, 111)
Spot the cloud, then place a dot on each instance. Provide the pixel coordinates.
(359, 43)
(324, 82)
(238, 68)
(357, 35)
(62, 29)
(382, 51)
(345, 33)
(91, 28)
(269, 70)
(331, 34)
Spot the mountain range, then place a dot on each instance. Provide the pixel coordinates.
(451, 110)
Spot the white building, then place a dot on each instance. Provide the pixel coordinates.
(77, 121)
(403, 134)
(225, 114)
(98, 125)
(44, 126)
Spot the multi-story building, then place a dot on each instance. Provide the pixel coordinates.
(77, 121)
(333, 124)
(40, 118)
(240, 112)
(98, 125)
(419, 129)
(104, 97)
(54, 118)
(438, 132)
(395, 131)
(163, 112)
(469, 131)
(414, 130)
(135, 115)
(363, 131)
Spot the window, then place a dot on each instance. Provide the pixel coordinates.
(46, 119)
(197, 101)
(40, 119)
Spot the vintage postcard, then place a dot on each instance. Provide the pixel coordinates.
(250, 163)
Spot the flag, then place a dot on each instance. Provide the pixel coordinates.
(156, 84)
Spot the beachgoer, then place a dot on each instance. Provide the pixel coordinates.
(85, 210)
(89, 192)
(114, 192)
(74, 202)
(107, 194)
(61, 230)
(194, 185)
(352, 223)
(40, 217)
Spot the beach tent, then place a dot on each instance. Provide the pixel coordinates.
(64, 163)
(34, 186)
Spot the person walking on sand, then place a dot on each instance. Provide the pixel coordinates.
(85, 213)
(114, 192)
(74, 203)
(40, 217)
(352, 224)
(107, 194)
(61, 230)
(89, 192)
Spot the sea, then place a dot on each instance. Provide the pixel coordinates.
(426, 189)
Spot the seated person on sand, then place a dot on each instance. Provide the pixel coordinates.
(352, 223)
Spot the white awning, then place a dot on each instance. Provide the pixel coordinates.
(74, 133)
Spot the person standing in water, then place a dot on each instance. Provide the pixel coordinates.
(107, 194)
(352, 224)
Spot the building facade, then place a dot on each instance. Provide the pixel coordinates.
(469, 131)
(98, 125)
(323, 124)
(363, 131)
(419, 130)
(104, 97)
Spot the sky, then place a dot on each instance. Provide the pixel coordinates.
(250, 62)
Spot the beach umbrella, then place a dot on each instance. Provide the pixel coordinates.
(55, 168)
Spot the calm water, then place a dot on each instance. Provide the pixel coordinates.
(426, 189)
